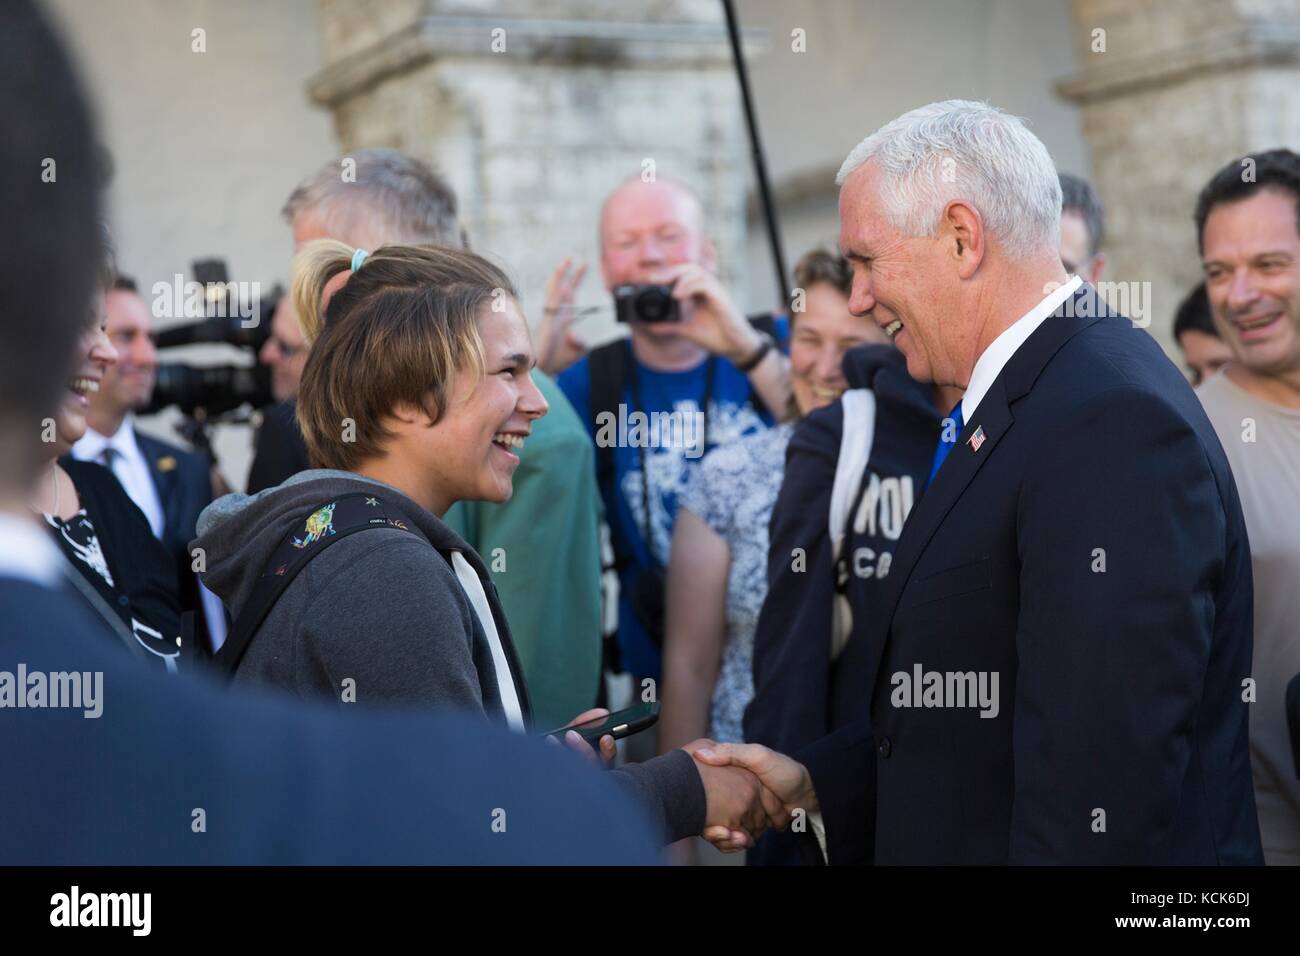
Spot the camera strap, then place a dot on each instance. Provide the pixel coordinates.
(634, 381)
(312, 533)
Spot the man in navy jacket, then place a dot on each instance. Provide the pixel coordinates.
(1069, 618)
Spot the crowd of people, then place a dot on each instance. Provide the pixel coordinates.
(945, 464)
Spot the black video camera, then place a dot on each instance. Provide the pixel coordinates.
(226, 315)
(646, 303)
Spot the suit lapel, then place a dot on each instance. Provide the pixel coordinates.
(992, 420)
(994, 417)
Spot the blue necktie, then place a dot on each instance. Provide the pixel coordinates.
(944, 447)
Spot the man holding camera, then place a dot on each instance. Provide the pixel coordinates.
(693, 374)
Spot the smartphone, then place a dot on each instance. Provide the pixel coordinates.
(620, 724)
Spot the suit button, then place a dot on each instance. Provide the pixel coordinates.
(884, 748)
(123, 600)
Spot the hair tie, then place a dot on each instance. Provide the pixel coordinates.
(358, 257)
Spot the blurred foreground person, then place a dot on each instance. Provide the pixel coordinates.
(124, 574)
(1249, 234)
(109, 763)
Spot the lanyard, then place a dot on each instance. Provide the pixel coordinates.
(634, 381)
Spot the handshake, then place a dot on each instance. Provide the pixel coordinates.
(749, 788)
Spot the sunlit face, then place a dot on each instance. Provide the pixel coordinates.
(1204, 354)
(285, 351)
(645, 229)
(822, 333)
(96, 353)
(128, 384)
(906, 286)
(1252, 277)
(474, 449)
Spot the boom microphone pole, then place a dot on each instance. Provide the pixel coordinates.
(756, 151)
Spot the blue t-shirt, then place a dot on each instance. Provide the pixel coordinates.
(668, 430)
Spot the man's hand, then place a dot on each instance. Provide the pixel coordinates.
(787, 786)
(710, 318)
(557, 345)
(575, 742)
(737, 805)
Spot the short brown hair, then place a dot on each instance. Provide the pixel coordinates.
(818, 266)
(397, 331)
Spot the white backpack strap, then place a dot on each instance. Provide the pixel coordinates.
(859, 432)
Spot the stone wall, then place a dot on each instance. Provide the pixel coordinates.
(535, 111)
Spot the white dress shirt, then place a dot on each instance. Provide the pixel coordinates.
(998, 354)
(129, 466)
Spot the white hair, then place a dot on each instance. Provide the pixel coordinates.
(958, 149)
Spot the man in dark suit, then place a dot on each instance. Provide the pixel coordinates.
(1069, 618)
(169, 485)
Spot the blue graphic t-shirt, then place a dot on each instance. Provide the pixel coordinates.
(666, 427)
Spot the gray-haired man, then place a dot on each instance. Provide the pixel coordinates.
(1070, 617)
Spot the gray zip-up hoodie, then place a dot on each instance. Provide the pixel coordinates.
(384, 610)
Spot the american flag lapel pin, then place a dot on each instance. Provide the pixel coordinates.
(977, 439)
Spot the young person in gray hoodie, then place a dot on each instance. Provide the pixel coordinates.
(416, 395)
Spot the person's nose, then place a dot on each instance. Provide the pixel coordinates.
(650, 252)
(861, 298)
(830, 364)
(531, 400)
(1241, 293)
(103, 351)
(267, 354)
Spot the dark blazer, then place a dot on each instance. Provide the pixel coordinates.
(142, 570)
(1092, 554)
(274, 781)
(280, 450)
(184, 488)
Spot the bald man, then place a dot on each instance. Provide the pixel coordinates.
(711, 377)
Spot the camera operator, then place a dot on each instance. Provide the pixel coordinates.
(702, 363)
(168, 484)
(280, 450)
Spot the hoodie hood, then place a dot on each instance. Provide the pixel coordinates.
(238, 532)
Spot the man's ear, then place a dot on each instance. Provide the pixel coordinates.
(962, 229)
(410, 413)
(1098, 266)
